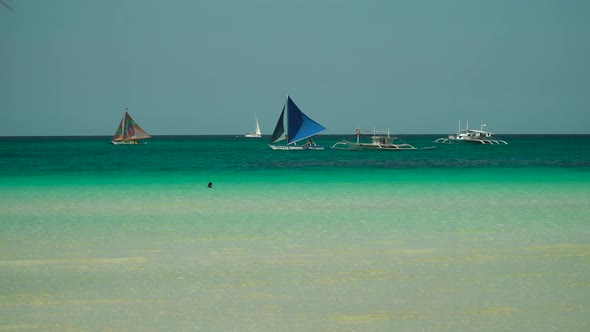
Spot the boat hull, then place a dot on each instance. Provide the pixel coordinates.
(471, 141)
(345, 145)
(253, 135)
(128, 142)
(295, 147)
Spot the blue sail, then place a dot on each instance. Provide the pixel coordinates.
(300, 126)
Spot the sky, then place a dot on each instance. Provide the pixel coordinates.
(206, 67)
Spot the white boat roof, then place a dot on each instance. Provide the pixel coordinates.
(476, 131)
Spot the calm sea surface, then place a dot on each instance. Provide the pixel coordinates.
(96, 237)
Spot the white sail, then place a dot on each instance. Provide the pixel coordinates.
(257, 126)
(256, 132)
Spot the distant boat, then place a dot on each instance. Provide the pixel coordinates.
(471, 136)
(257, 132)
(374, 140)
(299, 127)
(129, 132)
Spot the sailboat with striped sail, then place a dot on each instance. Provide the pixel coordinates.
(129, 132)
(299, 127)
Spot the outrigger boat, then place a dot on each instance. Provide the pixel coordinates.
(374, 140)
(129, 132)
(299, 127)
(471, 136)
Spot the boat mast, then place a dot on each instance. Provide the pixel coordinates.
(286, 120)
(125, 125)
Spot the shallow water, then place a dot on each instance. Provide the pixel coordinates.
(96, 237)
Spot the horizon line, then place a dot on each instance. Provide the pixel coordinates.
(263, 135)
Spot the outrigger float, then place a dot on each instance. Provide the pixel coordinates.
(374, 140)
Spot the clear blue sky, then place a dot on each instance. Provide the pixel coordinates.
(70, 67)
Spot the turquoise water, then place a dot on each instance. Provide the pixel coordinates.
(97, 237)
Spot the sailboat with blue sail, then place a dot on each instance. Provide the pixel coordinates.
(299, 127)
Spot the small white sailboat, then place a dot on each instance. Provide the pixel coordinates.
(299, 127)
(129, 132)
(256, 133)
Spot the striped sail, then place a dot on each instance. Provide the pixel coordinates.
(129, 130)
